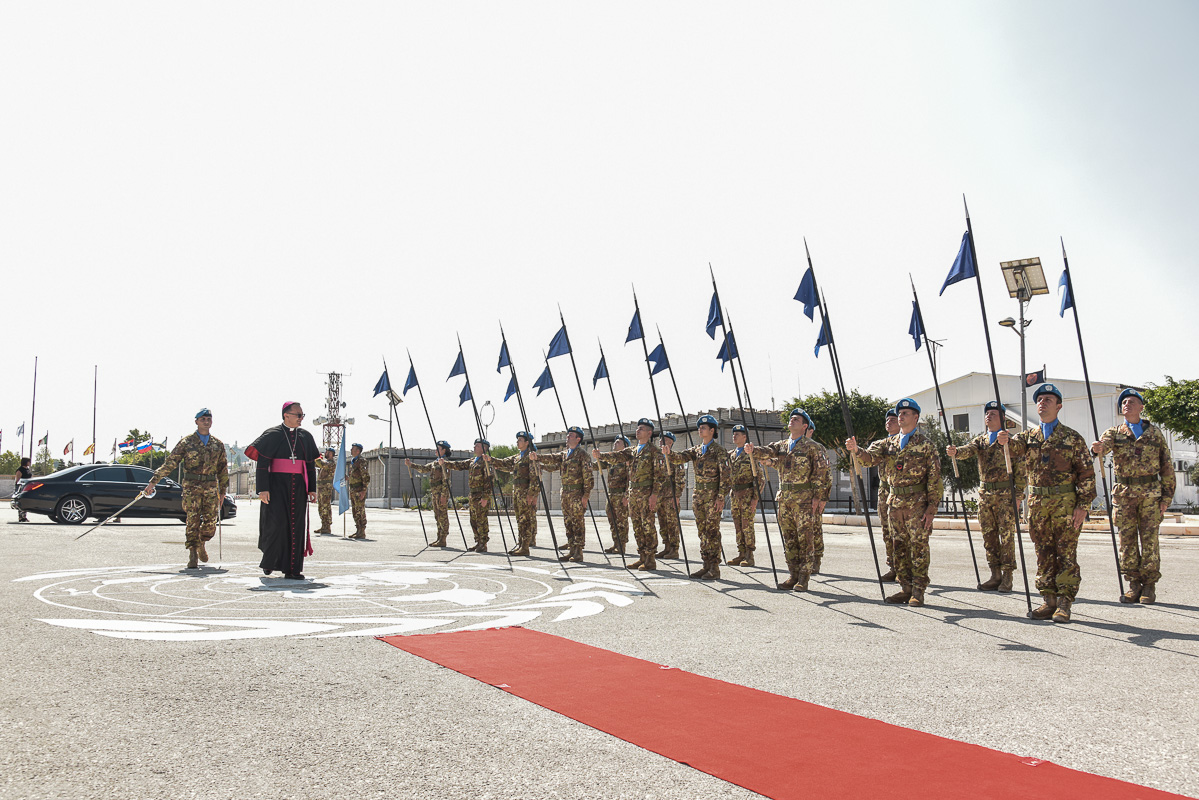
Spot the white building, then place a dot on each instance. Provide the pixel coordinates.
(965, 397)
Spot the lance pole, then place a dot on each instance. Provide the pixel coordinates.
(393, 414)
(436, 455)
(1086, 375)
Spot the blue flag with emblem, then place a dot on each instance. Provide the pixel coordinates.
(600, 372)
(728, 351)
(807, 293)
(915, 329)
(634, 328)
(384, 384)
(504, 360)
(339, 480)
(546, 381)
(823, 340)
(459, 366)
(963, 265)
(465, 394)
(715, 320)
(411, 382)
(560, 344)
(658, 358)
(511, 388)
(1067, 295)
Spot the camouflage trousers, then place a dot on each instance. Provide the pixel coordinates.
(574, 505)
(797, 524)
(618, 518)
(1138, 515)
(478, 518)
(707, 520)
(884, 520)
(745, 505)
(200, 504)
(998, 523)
(358, 509)
(668, 522)
(643, 523)
(324, 506)
(526, 519)
(818, 537)
(909, 541)
(1051, 527)
(440, 503)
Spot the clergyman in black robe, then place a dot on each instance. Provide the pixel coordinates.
(286, 482)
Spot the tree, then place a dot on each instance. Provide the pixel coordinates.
(9, 461)
(968, 469)
(146, 459)
(43, 462)
(1175, 406)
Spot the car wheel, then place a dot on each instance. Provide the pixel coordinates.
(73, 510)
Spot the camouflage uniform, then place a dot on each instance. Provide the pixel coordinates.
(526, 484)
(618, 504)
(747, 484)
(205, 481)
(480, 479)
(324, 493)
(915, 488)
(1144, 480)
(668, 508)
(713, 480)
(647, 477)
(577, 482)
(357, 479)
(996, 514)
(885, 476)
(1061, 478)
(803, 477)
(439, 497)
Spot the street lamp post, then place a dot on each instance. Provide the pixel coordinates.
(387, 463)
(1025, 279)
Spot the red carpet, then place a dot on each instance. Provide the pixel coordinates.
(777, 746)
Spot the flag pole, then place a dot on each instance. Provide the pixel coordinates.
(432, 432)
(619, 424)
(394, 415)
(32, 412)
(95, 395)
(1094, 422)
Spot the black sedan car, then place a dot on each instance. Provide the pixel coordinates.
(72, 495)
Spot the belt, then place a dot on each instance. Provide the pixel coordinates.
(191, 476)
(904, 491)
(737, 487)
(572, 487)
(1046, 491)
(644, 484)
(883, 486)
(797, 487)
(997, 486)
(616, 491)
(1143, 480)
(706, 486)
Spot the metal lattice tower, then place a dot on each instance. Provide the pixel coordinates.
(333, 427)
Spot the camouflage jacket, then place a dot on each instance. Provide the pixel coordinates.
(439, 476)
(618, 475)
(202, 463)
(1140, 459)
(992, 466)
(801, 464)
(677, 472)
(647, 467)
(526, 477)
(324, 472)
(576, 468)
(479, 475)
(915, 470)
(742, 472)
(886, 475)
(357, 475)
(1062, 460)
(713, 472)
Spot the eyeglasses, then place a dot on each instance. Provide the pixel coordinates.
(294, 414)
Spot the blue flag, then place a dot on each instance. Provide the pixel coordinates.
(1067, 295)
(384, 385)
(411, 382)
(465, 394)
(560, 344)
(634, 328)
(459, 366)
(963, 265)
(807, 293)
(915, 329)
(600, 372)
(715, 320)
(658, 358)
(823, 340)
(339, 480)
(504, 360)
(728, 351)
(546, 381)
(511, 388)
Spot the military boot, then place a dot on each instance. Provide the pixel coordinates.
(564, 546)
(1148, 594)
(816, 565)
(648, 564)
(713, 572)
(992, 583)
(438, 542)
(192, 563)
(523, 550)
(1046, 609)
(917, 598)
(748, 559)
(1134, 592)
(614, 549)
(738, 559)
(360, 534)
(1005, 581)
(636, 564)
(479, 547)
(671, 551)
(889, 576)
(801, 585)
(576, 554)
(790, 582)
(902, 596)
(702, 573)
(203, 553)
(1063, 610)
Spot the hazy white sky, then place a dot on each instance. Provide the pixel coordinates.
(216, 202)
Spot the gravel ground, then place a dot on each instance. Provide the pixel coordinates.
(316, 715)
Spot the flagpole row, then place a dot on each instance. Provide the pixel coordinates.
(393, 416)
(433, 433)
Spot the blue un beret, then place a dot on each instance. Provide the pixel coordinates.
(644, 421)
(204, 412)
(993, 406)
(668, 435)
(445, 444)
(909, 404)
(740, 429)
(622, 438)
(799, 412)
(355, 444)
(891, 413)
(707, 419)
(1129, 392)
(575, 429)
(528, 437)
(483, 442)
(1047, 388)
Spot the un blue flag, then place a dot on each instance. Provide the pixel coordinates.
(560, 344)
(459, 366)
(715, 320)
(658, 358)
(504, 360)
(915, 327)
(634, 328)
(963, 265)
(511, 388)
(807, 293)
(384, 385)
(1068, 294)
(823, 340)
(411, 382)
(600, 372)
(339, 480)
(465, 394)
(728, 351)
(546, 381)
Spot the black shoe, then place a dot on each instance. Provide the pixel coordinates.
(266, 572)
(294, 576)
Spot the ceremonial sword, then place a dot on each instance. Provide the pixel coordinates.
(111, 517)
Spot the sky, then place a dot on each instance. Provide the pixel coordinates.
(214, 205)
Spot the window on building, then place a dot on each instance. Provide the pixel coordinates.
(961, 422)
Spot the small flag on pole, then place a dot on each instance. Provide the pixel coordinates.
(411, 382)
(69, 447)
(657, 357)
(823, 340)
(45, 440)
(91, 448)
(915, 329)
(546, 381)
(339, 480)
(634, 328)
(963, 265)
(465, 394)
(511, 388)
(728, 351)
(21, 430)
(1067, 295)
(600, 372)
(459, 366)
(504, 359)
(560, 344)
(1034, 378)
(126, 446)
(383, 385)
(715, 320)
(807, 293)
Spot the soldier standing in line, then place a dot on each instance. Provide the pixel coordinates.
(747, 481)
(1144, 490)
(205, 481)
(886, 473)
(669, 505)
(439, 490)
(818, 537)
(916, 491)
(577, 482)
(713, 479)
(618, 498)
(357, 479)
(647, 483)
(526, 484)
(325, 467)
(481, 481)
(996, 514)
(803, 481)
(1061, 481)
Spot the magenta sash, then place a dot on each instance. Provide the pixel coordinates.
(287, 465)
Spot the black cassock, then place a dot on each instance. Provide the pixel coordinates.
(283, 522)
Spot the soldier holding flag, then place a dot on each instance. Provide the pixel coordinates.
(618, 498)
(712, 482)
(747, 481)
(439, 490)
(647, 482)
(481, 481)
(526, 485)
(357, 479)
(886, 474)
(577, 482)
(668, 508)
